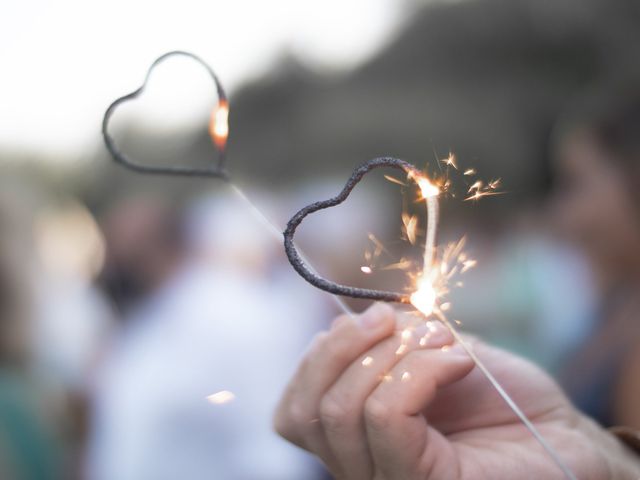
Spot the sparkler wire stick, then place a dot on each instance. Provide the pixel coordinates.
(311, 276)
(277, 233)
(218, 129)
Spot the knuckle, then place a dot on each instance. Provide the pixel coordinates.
(280, 425)
(293, 423)
(320, 341)
(300, 415)
(339, 321)
(333, 412)
(378, 413)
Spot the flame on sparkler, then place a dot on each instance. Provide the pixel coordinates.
(424, 298)
(433, 282)
(427, 188)
(219, 124)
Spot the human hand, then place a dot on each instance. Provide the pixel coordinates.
(373, 403)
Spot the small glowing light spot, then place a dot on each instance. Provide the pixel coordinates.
(424, 340)
(476, 186)
(470, 171)
(366, 361)
(366, 269)
(467, 264)
(450, 161)
(387, 378)
(406, 335)
(446, 348)
(406, 376)
(458, 322)
(219, 124)
(221, 397)
(445, 306)
(459, 284)
(431, 326)
(410, 225)
(424, 298)
(395, 180)
(427, 188)
(401, 349)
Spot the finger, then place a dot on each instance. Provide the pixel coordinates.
(342, 407)
(297, 415)
(401, 443)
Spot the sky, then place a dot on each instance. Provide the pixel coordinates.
(63, 62)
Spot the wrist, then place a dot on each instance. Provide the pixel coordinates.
(623, 463)
(628, 442)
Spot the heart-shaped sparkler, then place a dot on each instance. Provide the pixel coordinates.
(218, 128)
(303, 268)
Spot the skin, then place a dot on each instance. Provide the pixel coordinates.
(424, 412)
(595, 209)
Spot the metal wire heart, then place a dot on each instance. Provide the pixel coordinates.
(303, 268)
(217, 171)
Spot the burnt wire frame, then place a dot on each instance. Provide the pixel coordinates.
(217, 171)
(305, 271)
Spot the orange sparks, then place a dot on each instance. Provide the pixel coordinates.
(410, 225)
(479, 194)
(366, 361)
(468, 264)
(403, 264)
(476, 186)
(450, 161)
(395, 180)
(424, 298)
(427, 188)
(219, 124)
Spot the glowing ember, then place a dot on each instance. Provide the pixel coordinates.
(221, 397)
(424, 298)
(219, 124)
(450, 161)
(427, 188)
(410, 225)
(395, 180)
(467, 264)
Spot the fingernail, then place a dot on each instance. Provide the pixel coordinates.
(374, 316)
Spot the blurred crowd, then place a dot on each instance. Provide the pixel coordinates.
(148, 335)
(152, 341)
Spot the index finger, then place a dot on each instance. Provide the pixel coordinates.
(330, 354)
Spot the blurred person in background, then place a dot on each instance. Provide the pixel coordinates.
(211, 329)
(31, 413)
(597, 207)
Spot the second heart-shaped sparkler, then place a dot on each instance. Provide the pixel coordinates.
(218, 127)
(424, 297)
